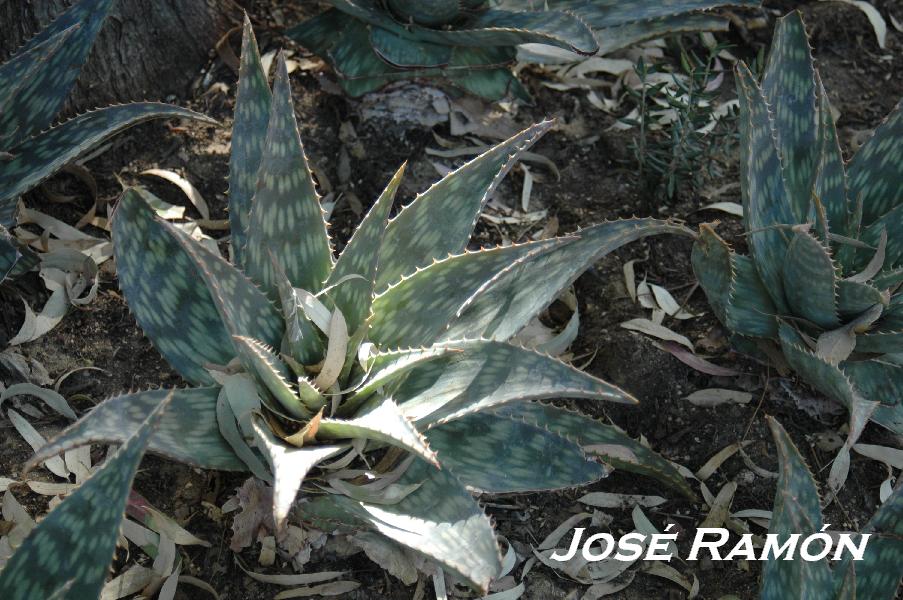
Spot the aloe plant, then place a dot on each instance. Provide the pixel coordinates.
(68, 554)
(390, 365)
(821, 283)
(797, 510)
(471, 43)
(34, 84)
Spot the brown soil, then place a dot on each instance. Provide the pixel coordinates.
(598, 181)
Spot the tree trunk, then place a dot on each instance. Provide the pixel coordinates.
(147, 49)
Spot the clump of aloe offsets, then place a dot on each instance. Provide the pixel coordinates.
(378, 389)
(820, 288)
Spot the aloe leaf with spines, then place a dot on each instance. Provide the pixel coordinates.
(310, 356)
(34, 84)
(471, 45)
(68, 553)
(825, 257)
(797, 511)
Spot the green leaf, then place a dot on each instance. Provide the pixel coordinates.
(290, 466)
(274, 376)
(877, 575)
(882, 342)
(301, 339)
(416, 310)
(854, 298)
(808, 280)
(384, 422)
(505, 306)
(876, 170)
(171, 304)
(72, 545)
(387, 366)
(618, 37)
(789, 87)
(187, 431)
(243, 308)
(487, 374)
(500, 455)
(796, 511)
(17, 78)
(440, 520)
(490, 84)
(607, 442)
(404, 53)
(879, 381)
(34, 105)
(819, 373)
(321, 32)
(892, 222)
(602, 14)
(487, 28)
(830, 185)
(286, 216)
(712, 263)
(252, 115)
(765, 202)
(236, 402)
(355, 271)
(37, 158)
(508, 28)
(439, 221)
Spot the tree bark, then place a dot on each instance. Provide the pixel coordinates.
(147, 49)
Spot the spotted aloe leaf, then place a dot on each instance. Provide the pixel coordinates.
(39, 157)
(289, 466)
(877, 575)
(713, 264)
(172, 306)
(765, 205)
(602, 14)
(252, 114)
(286, 223)
(506, 305)
(790, 89)
(808, 280)
(524, 457)
(444, 286)
(243, 307)
(444, 216)
(830, 182)
(454, 533)
(274, 375)
(609, 443)
(38, 93)
(487, 374)
(618, 37)
(72, 546)
(17, 83)
(796, 511)
(380, 422)
(355, 271)
(187, 431)
(875, 171)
